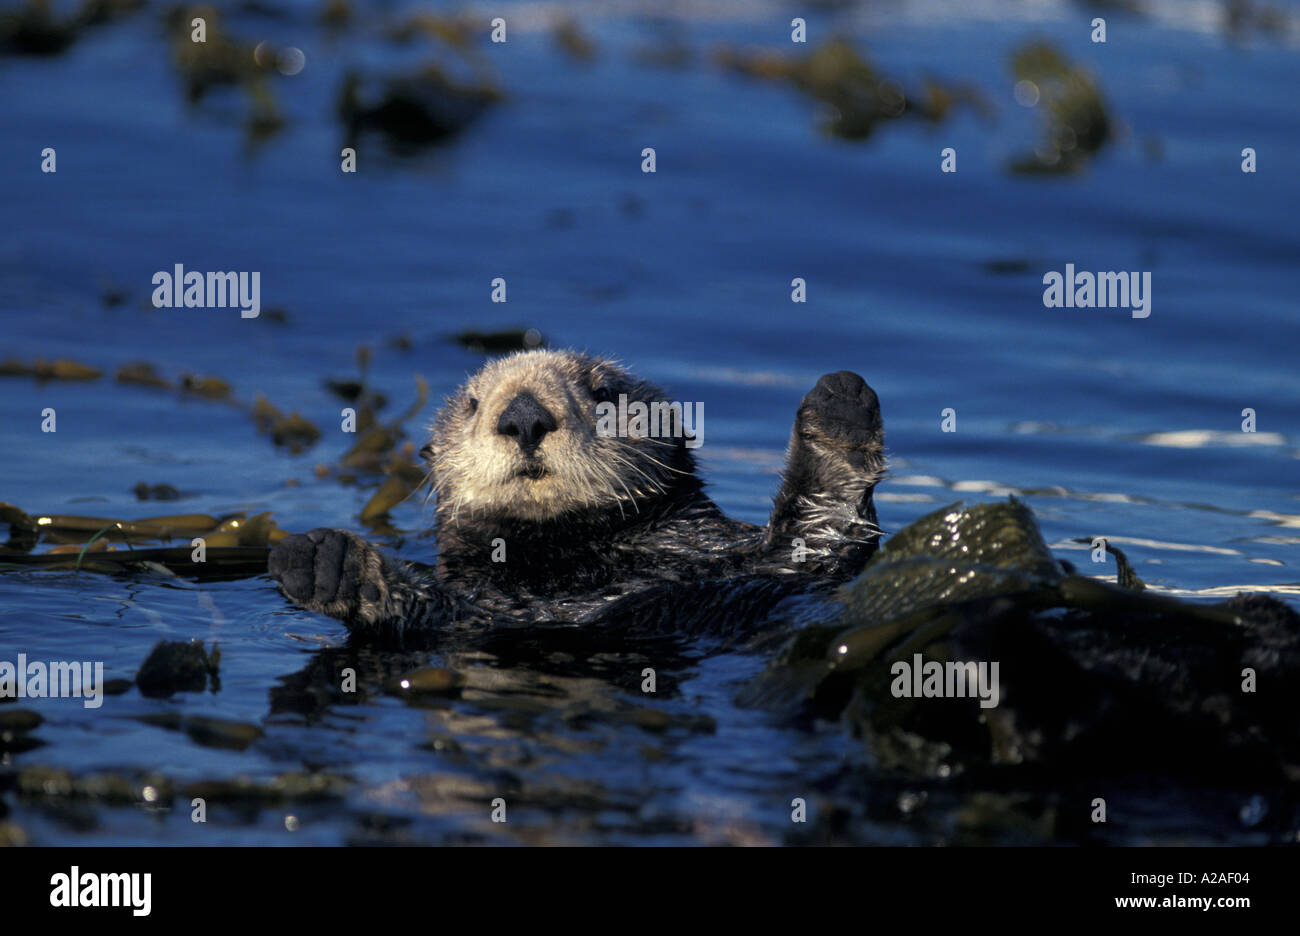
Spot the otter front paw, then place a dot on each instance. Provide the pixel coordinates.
(334, 572)
(841, 412)
(835, 459)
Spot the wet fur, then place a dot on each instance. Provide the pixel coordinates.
(599, 530)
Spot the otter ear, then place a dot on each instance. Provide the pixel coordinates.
(426, 453)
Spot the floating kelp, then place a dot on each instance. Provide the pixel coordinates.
(359, 392)
(222, 563)
(63, 369)
(858, 97)
(281, 789)
(258, 530)
(16, 726)
(376, 449)
(234, 545)
(1126, 576)
(73, 549)
(41, 369)
(415, 110)
(142, 373)
(373, 444)
(214, 388)
(75, 528)
(206, 731)
(149, 788)
(33, 29)
(14, 721)
(354, 391)
(221, 60)
(177, 666)
(575, 43)
(1087, 677)
(430, 681)
(218, 60)
(24, 532)
(293, 432)
(456, 30)
(500, 342)
(262, 122)
(404, 478)
(110, 788)
(658, 721)
(1077, 124)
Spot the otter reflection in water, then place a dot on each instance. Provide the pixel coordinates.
(542, 517)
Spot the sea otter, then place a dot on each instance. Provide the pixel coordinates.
(543, 515)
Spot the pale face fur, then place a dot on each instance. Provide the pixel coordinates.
(479, 472)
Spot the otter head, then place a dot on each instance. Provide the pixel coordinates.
(521, 441)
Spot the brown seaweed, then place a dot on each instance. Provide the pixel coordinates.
(1076, 122)
(858, 98)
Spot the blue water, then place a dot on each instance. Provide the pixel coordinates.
(1108, 425)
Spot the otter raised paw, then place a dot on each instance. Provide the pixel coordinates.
(836, 456)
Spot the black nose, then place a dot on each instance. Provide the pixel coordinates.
(526, 421)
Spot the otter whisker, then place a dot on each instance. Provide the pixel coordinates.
(652, 459)
(611, 474)
(627, 463)
(656, 486)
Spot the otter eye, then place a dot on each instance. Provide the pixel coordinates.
(603, 395)
(473, 405)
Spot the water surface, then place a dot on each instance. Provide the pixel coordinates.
(928, 284)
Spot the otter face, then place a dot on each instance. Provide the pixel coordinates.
(520, 441)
